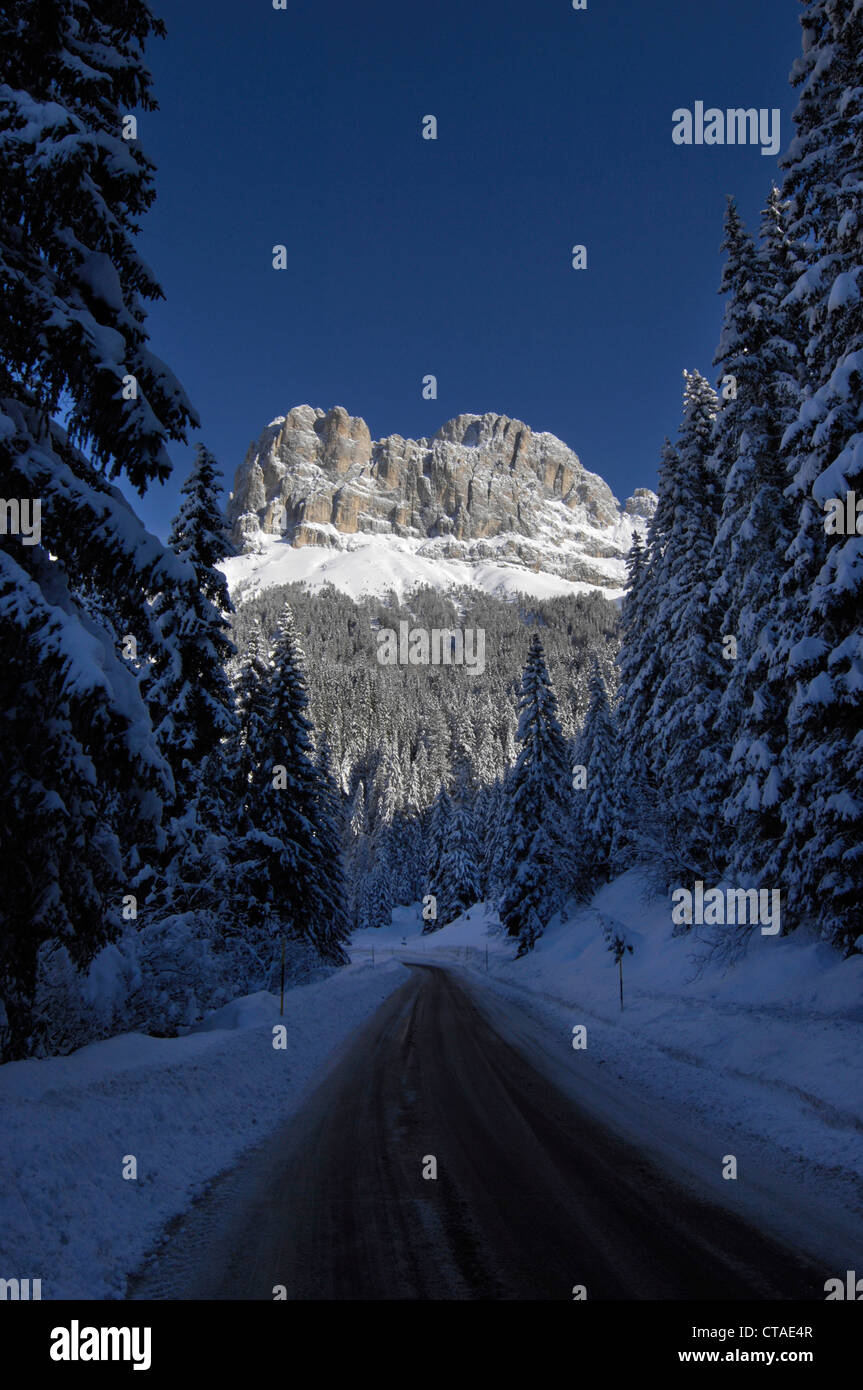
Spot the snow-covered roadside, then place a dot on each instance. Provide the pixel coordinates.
(766, 1056)
(184, 1108)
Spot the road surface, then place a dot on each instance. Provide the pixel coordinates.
(533, 1194)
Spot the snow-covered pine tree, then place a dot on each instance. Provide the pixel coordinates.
(388, 789)
(291, 833)
(538, 809)
(357, 855)
(821, 857)
(680, 723)
(489, 764)
(334, 926)
(760, 352)
(251, 710)
(594, 822)
(407, 858)
(439, 825)
(411, 847)
(417, 791)
(483, 812)
(740, 284)
(197, 724)
(250, 884)
(642, 669)
(191, 698)
(632, 786)
(376, 900)
(458, 880)
(527, 905)
(495, 868)
(83, 779)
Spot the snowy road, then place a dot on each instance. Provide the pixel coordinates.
(533, 1196)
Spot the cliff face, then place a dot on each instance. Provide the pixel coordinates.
(483, 487)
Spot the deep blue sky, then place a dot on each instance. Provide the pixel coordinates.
(409, 256)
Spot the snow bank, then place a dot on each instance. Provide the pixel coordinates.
(185, 1108)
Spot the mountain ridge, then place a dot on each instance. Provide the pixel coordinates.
(485, 491)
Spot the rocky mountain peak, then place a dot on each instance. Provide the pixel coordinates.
(483, 487)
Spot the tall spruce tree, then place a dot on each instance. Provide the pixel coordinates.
(596, 753)
(83, 777)
(192, 699)
(292, 833)
(538, 810)
(495, 843)
(334, 926)
(357, 855)
(250, 889)
(821, 856)
(680, 727)
(197, 722)
(439, 826)
(640, 662)
(642, 659)
(458, 886)
(760, 357)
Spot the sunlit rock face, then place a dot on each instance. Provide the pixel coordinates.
(484, 487)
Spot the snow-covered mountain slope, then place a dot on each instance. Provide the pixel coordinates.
(486, 503)
(378, 565)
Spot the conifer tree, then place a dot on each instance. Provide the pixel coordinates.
(334, 907)
(594, 822)
(821, 856)
(495, 868)
(252, 688)
(292, 832)
(357, 853)
(642, 658)
(439, 827)
(192, 698)
(539, 811)
(682, 714)
(458, 880)
(377, 905)
(83, 777)
(761, 359)
(635, 794)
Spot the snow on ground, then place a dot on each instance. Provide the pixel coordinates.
(377, 565)
(184, 1107)
(767, 1054)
